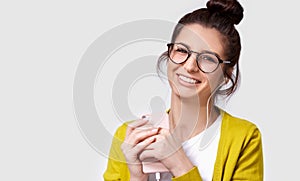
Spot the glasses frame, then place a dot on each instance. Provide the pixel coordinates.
(190, 52)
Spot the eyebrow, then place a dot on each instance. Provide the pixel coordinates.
(203, 51)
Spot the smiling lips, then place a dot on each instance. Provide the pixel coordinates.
(188, 79)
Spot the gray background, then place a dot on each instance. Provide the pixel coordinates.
(41, 45)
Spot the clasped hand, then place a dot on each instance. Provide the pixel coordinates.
(143, 142)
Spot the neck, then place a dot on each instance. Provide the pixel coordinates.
(189, 116)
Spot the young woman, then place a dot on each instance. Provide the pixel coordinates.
(202, 63)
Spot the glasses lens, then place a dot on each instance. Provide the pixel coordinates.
(178, 53)
(208, 62)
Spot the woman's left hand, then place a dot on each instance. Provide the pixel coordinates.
(168, 150)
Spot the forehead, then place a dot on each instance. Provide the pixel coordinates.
(200, 38)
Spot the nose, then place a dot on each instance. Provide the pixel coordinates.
(190, 65)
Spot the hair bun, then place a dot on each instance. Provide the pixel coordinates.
(230, 8)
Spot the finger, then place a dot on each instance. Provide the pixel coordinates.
(163, 131)
(162, 142)
(157, 143)
(160, 149)
(146, 116)
(146, 155)
(135, 124)
(138, 148)
(138, 136)
(138, 123)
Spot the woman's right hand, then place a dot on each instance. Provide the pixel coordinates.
(138, 136)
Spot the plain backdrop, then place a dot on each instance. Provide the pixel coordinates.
(41, 43)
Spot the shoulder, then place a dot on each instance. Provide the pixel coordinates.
(238, 128)
(237, 123)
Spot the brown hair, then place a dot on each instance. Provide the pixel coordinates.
(221, 15)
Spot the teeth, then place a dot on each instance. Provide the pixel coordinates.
(187, 79)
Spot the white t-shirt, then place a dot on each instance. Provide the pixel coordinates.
(201, 150)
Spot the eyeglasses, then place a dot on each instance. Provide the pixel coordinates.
(207, 61)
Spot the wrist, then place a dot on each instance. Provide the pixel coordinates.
(180, 169)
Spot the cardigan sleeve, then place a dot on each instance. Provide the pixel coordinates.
(193, 174)
(116, 166)
(250, 163)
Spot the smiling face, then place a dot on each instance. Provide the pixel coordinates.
(186, 79)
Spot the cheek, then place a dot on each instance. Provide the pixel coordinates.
(215, 79)
(171, 68)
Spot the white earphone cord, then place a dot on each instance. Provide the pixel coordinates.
(207, 114)
(157, 176)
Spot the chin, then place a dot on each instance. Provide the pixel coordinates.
(185, 91)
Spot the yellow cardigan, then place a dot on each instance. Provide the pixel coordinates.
(239, 155)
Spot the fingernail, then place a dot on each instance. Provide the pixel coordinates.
(154, 130)
(154, 139)
(158, 130)
(146, 117)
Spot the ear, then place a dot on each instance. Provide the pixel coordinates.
(226, 80)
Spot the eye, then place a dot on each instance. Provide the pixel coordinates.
(208, 58)
(181, 50)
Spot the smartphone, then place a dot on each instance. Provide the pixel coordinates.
(162, 121)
